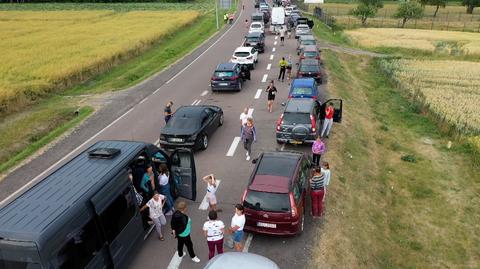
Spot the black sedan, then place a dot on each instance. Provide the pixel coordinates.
(191, 127)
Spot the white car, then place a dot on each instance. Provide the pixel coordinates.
(288, 10)
(256, 27)
(245, 55)
(302, 29)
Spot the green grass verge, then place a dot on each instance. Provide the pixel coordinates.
(326, 34)
(38, 140)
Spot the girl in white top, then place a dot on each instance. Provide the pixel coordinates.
(236, 228)
(211, 190)
(155, 206)
(326, 172)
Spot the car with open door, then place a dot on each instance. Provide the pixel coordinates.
(191, 127)
(85, 213)
(302, 119)
(229, 77)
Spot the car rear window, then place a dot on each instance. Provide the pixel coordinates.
(301, 90)
(308, 42)
(253, 39)
(267, 201)
(302, 27)
(310, 54)
(256, 26)
(290, 118)
(309, 68)
(242, 54)
(223, 74)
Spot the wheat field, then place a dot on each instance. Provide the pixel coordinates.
(450, 89)
(428, 40)
(47, 51)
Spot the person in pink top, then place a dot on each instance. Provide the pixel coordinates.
(318, 148)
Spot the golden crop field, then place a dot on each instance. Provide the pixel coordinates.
(428, 40)
(450, 89)
(46, 51)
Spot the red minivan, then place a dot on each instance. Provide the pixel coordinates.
(274, 199)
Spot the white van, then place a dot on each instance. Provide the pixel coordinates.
(278, 19)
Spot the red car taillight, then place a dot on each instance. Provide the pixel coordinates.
(214, 78)
(279, 122)
(244, 196)
(234, 78)
(313, 122)
(299, 74)
(292, 205)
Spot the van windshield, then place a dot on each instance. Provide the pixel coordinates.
(267, 201)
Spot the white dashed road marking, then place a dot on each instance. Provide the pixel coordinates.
(276, 37)
(175, 261)
(271, 57)
(259, 92)
(269, 66)
(248, 241)
(250, 112)
(233, 146)
(204, 93)
(204, 204)
(275, 43)
(264, 79)
(273, 49)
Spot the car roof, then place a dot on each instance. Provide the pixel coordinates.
(307, 37)
(281, 164)
(254, 34)
(243, 49)
(303, 82)
(257, 14)
(309, 62)
(299, 105)
(240, 260)
(310, 48)
(226, 67)
(190, 111)
(303, 26)
(269, 183)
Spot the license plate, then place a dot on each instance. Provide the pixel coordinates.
(266, 225)
(176, 139)
(295, 142)
(223, 84)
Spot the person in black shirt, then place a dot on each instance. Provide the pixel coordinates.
(272, 91)
(168, 111)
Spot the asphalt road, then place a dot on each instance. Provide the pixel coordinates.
(190, 85)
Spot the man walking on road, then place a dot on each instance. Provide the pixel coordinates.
(168, 111)
(283, 66)
(328, 122)
(282, 35)
(181, 225)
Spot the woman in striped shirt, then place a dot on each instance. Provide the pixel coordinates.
(317, 191)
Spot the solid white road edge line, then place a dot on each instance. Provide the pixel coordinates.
(269, 66)
(64, 157)
(271, 57)
(205, 51)
(248, 242)
(264, 79)
(273, 49)
(204, 204)
(259, 92)
(250, 112)
(175, 261)
(204, 93)
(233, 146)
(28, 184)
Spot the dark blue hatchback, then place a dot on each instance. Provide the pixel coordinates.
(303, 88)
(229, 76)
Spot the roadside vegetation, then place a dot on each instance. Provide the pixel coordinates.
(132, 42)
(401, 198)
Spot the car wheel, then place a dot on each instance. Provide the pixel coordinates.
(220, 122)
(204, 142)
(239, 85)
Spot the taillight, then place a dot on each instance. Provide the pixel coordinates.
(319, 75)
(313, 122)
(292, 205)
(279, 122)
(214, 78)
(299, 74)
(244, 195)
(302, 57)
(234, 78)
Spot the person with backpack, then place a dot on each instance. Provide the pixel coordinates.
(181, 226)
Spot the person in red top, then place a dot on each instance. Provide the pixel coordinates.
(328, 122)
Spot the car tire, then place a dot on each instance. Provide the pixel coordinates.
(204, 142)
(239, 85)
(220, 122)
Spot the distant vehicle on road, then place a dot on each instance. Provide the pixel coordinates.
(310, 68)
(240, 260)
(229, 76)
(85, 214)
(245, 55)
(256, 27)
(301, 119)
(302, 29)
(303, 88)
(305, 40)
(278, 19)
(310, 52)
(191, 127)
(288, 10)
(257, 17)
(274, 199)
(256, 40)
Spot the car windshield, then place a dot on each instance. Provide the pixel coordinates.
(223, 74)
(257, 18)
(308, 42)
(267, 201)
(253, 39)
(301, 90)
(242, 54)
(309, 68)
(310, 54)
(290, 118)
(302, 27)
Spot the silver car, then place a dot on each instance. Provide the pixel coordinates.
(302, 29)
(305, 40)
(240, 260)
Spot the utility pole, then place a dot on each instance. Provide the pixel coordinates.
(216, 13)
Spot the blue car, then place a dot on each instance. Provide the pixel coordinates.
(303, 88)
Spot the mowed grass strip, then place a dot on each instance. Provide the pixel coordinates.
(382, 211)
(45, 52)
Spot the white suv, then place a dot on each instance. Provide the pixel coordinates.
(256, 27)
(245, 55)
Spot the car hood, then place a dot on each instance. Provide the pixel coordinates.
(181, 128)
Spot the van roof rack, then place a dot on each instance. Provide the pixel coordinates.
(104, 153)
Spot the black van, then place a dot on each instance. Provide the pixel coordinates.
(85, 214)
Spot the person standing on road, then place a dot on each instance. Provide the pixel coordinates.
(163, 182)
(243, 119)
(236, 227)
(272, 91)
(328, 122)
(317, 191)
(211, 191)
(246, 24)
(148, 183)
(167, 112)
(155, 206)
(318, 148)
(181, 226)
(248, 137)
(282, 36)
(326, 172)
(283, 66)
(213, 230)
